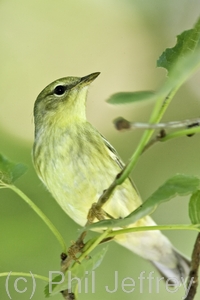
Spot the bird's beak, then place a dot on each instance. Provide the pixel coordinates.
(89, 78)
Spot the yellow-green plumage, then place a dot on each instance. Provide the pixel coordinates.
(77, 164)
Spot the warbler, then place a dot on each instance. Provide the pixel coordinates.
(76, 164)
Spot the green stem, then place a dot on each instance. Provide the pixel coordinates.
(156, 115)
(158, 227)
(6, 274)
(158, 111)
(161, 106)
(91, 244)
(41, 215)
(180, 133)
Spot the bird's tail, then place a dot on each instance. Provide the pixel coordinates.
(155, 247)
(176, 274)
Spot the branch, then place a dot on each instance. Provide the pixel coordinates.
(123, 124)
(193, 276)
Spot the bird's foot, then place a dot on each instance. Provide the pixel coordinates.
(95, 212)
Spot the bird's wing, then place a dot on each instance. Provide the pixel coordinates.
(114, 155)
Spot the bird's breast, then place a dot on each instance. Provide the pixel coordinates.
(76, 168)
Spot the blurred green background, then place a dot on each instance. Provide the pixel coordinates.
(44, 40)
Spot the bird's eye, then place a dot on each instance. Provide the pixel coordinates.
(59, 90)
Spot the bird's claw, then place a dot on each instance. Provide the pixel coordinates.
(95, 212)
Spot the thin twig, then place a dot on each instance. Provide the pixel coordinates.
(193, 276)
(163, 136)
(123, 124)
(66, 261)
(65, 293)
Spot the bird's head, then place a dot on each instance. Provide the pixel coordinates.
(63, 99)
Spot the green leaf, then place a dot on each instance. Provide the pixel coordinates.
(179, 184)
(130, 97)
(79, 271)
(10, 171)
(194, 208)
(182, 61)
(179, 73)
(187, 42)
